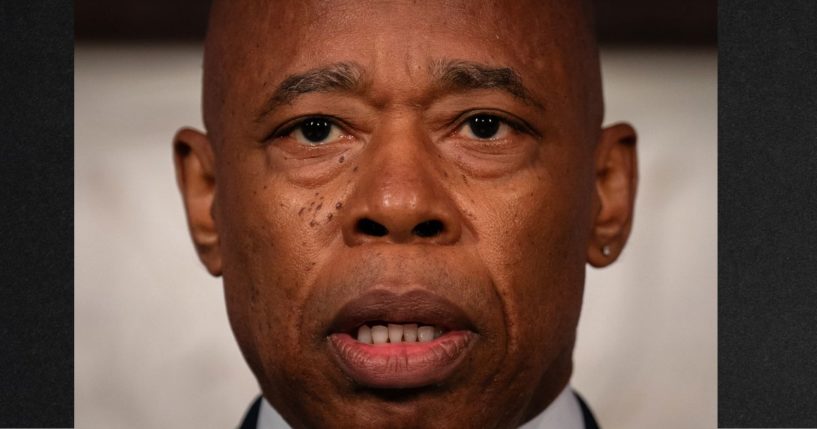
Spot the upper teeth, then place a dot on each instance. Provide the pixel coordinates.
(395, 333)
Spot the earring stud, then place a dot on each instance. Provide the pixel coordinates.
(605, 250)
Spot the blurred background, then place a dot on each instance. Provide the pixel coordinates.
(153, 345)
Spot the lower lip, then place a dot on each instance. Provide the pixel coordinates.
(402, 365)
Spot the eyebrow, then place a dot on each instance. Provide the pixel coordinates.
(457, 75)
(447, 75)
(340, 77)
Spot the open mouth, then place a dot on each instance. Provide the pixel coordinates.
(384, 340)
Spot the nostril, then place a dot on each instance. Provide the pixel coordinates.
(429, 228)
(370, 227)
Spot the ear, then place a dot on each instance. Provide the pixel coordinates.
(616, 183)
(193, 158)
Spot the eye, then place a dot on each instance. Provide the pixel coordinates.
(315, 131)
(485, 127)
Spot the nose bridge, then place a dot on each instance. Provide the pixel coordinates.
(398, 177)
(398, 197)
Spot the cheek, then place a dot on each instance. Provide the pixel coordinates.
(266, 265)
(271, 231)
(534, 241)
(255, 291)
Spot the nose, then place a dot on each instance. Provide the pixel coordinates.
(398, 198)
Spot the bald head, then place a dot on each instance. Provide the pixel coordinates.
(252, 45)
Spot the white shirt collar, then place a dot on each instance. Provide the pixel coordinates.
(563, 413)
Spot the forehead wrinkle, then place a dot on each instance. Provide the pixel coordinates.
(467, 75)
(336, 77)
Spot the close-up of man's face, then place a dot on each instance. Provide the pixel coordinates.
(402, 198)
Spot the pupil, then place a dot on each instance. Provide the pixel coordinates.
(484, 126)
(316, 129)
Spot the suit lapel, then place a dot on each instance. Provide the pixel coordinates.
(587, 415)
(251, 418)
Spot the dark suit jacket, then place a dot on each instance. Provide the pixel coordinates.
(251, 418)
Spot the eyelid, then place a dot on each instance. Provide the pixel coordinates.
(508, 119)
(289, 126)
(460, 121)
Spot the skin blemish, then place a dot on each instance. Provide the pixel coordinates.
(341, 159)
(338, 205)
(312, 223)
(319, 207)
(464, 179)
(329, 216)
(301, 211)
(354, 169)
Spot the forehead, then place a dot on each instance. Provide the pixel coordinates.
(257, 22)
(257, 44)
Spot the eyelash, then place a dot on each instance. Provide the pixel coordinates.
(287, 129)
(515, 124)
(461, 121)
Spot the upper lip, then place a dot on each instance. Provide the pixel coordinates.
(415, 306)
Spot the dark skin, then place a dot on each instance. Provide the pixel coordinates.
(500, 219)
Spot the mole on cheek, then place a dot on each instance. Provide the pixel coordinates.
(341, 159)
(301, 211)
(329, 216)
(354, 169)
(319, 207)
(338, 205)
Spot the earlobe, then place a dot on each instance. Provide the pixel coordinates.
(616, 183)
(193, 159)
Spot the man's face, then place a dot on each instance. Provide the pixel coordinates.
(428, 172)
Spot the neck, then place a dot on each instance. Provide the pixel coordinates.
(551, 384)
